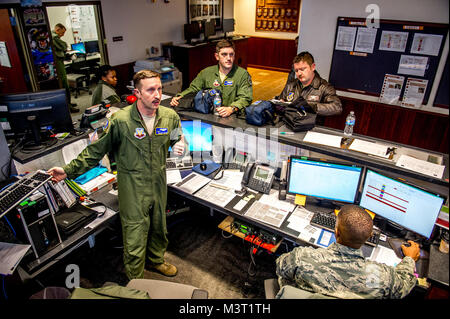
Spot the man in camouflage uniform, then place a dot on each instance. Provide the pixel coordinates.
(234, 82)
(341, 270)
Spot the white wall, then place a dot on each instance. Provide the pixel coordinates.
(245, 16)
(318, 27)
(61, 15)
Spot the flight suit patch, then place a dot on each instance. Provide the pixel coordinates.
(228, 83)
(139, 133)
(161, 131)
(216, 83)
(290, 97)
(314, 98)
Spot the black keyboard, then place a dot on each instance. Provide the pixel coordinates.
(328, 222)
(20, 190)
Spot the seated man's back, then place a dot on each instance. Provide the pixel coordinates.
(341, 270)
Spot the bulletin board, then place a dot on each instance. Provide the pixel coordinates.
(362, 56)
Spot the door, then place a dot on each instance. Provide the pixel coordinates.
(11, 78)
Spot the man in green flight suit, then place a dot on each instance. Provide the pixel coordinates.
(234, 82)
(60, 48)
(139, 137)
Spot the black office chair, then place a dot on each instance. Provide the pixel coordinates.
(80, 75)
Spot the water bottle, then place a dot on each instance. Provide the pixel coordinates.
(349, 123)
(217, 103)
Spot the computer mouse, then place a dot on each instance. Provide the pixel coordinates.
(203, 166)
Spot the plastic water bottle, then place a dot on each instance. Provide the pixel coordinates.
(217, 103)
(349, 123)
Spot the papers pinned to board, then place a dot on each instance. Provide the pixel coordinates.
(323, 139)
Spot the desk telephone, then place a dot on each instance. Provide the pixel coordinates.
(258, 177)
(235, 160)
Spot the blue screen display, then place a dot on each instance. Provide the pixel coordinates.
(404, 204)
(79, 47)
(198, 135)
(324, 180)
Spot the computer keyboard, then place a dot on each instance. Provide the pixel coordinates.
(21, 189)
(179, 163)
(328, 222)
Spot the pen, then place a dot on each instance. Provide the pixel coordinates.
(287, 133)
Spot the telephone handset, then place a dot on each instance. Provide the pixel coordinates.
(258, 177)
(235, 160)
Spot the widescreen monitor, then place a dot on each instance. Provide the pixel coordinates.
(209, 28)
(192, 31)
(49, 108)
(79, 47)
(228, 25)
(406, 205)
(329, 181)
(91, 47)
(198, 135)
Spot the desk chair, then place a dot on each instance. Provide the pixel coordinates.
(159, 289)
(80, 76)
(273, 291)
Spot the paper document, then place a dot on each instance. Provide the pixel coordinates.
(71, 151)
(266, 213)
(414, 92)
(173, 176)
(272, 200)
(10, 256)
(420, 166)
(216, 194)
(326, 238)
(369, 148)
(193, 182)
(345, 38)
(428, 44)
(231, 179)
(412, 65)
(300, 219)
(393, 41)
(100, 181)
(365, 39)
(384, 255)
(392, 87)
(324, 139)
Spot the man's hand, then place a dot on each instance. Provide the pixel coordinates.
(57, 173)
(412, 251)
(225, 111)
(174, 101)
(178, 148)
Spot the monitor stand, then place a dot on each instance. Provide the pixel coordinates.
(325, 203)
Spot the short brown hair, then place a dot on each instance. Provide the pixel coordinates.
(304, 56)
(60, 26)
(355, 225)
(224, 44)
(144, 74)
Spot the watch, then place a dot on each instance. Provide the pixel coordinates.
(235, 109)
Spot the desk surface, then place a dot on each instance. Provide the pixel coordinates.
(296, 140)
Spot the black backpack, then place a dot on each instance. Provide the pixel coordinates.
(204, 100)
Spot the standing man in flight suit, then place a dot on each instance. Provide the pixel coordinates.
(234, 82)
(60, 48)
(139, 136)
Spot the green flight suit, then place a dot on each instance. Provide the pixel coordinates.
(236, 88)
(141, 166)
(60, 48)
(104, 91)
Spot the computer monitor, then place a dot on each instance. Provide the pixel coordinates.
(228, 25)
(91, 47)
(37, 112)
(402, 203)
(209, 29)
(198, 135)
(325, 181)
(192, 31)
(79, 47)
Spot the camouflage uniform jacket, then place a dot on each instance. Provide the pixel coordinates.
(343, 272)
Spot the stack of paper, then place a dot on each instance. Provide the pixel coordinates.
(193, 182)
(420, 166)
(369, 148)
(100, 181)
(323, 139)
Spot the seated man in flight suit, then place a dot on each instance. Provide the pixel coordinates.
(234, 82)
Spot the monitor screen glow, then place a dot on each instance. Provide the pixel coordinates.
(79, 47)
(405, 205)
(198, 135)
(324, 180)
